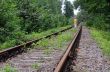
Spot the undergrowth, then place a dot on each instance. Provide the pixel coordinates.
(56, 42)
(32, 36)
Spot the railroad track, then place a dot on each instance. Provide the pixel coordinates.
(64, 65)
(13, 51)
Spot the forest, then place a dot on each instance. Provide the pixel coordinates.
(20, 19)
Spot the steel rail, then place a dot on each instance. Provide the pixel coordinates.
(70, 47)
(10, 52)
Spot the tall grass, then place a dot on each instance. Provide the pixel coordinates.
(103, 39)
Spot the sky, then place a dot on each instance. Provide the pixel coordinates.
(75, 10)
(71, 1)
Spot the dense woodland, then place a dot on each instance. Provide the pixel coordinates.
(96, 13)
(22, 17)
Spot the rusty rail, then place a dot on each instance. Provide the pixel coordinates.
(74, 43)
(13, 51)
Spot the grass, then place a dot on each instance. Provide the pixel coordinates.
(7, 44)
(47, 51)
(32, 36)
(35, 35)
(43, 43)
(35, 66)
(55, 42)
(8, 68)
(103, 39)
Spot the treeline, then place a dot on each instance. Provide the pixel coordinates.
(21, 17)
(95, 13)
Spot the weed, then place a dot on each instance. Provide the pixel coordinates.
(103, 39)
(63, 38)
(32, 36)
(43, 43)
(56, 42)
(8, 68)
(35, 35)
(7, 44)
(35, 66)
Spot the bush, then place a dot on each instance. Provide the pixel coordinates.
(19, 18)
(98, 22)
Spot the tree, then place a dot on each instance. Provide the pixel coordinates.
(9, 22)
(21, 17)
(68, 9)
(98, 11)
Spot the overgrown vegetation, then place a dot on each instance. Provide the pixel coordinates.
(21, 18)
(96, 13)
(57, 42)
(35, 66)
(8, 68)
(103, 38)
(31, 36)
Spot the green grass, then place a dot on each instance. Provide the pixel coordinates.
(39, 35)
(43, 43)
(8, 68)
(35, 66)
(103, 39)
(55, 42)
(32, 36)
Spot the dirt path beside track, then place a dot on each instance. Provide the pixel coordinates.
(90, 57)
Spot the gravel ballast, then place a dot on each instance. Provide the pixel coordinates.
(90, 57)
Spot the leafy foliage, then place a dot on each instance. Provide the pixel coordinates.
(31, 36)
(9, 22)
(68, 9)
(97, 12)
(19, 18)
